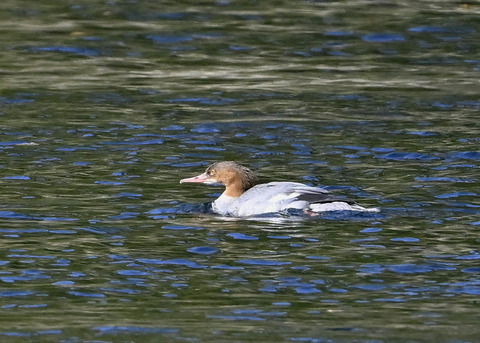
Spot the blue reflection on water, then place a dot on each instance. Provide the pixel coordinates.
(81, 51)
(203, 250)
(383, 37)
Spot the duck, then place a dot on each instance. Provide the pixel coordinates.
(244, 197)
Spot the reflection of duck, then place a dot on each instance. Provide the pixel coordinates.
(242, 198)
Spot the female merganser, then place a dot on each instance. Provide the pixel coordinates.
(243, 198)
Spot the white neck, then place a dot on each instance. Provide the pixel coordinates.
(222, 204)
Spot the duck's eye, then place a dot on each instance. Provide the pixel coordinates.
(211, 172)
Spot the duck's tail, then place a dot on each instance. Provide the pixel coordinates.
(340, 206)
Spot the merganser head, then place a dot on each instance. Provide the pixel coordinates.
(228, 173)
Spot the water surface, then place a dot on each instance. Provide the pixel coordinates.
(104, 106)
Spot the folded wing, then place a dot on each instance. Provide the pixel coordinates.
(279, 196)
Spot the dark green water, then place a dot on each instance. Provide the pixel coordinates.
(106, 105)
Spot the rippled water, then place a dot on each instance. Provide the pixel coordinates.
(104, 106)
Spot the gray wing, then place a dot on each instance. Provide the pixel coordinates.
(278, 196)
(313, 195)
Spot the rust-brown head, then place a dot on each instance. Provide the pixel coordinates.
(236, 178)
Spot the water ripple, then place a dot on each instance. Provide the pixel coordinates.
(203, 250)
(259, 262)
(115, 330)
(383, 37)
(177, 261)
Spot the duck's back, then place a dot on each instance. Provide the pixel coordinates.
(277, 196)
